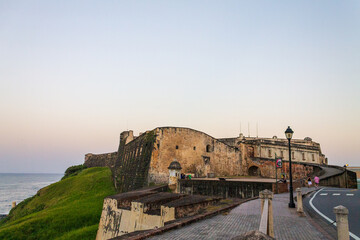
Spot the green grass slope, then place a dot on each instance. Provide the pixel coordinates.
(68, 209)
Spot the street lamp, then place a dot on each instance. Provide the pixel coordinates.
(346, 182)
(288, 133)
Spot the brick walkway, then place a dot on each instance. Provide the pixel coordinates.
(246, 217)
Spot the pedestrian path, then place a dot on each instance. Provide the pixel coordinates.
(246, 217)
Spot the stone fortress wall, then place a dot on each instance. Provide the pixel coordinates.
(144, 159)
(305, 150)
(130, 164)
(101, 160)
(197, 152)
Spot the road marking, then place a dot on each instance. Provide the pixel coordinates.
(323, 194)
(328, 219)
(336, 194)
(349, 194)
(338, 190)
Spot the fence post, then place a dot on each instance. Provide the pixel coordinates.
(266, 194)
(342, 222)
(300, 209)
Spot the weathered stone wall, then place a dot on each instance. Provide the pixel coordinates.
(192, 209)
(284, 187)
(298, 154)
(132, 165)
(112, 223)
(267, 168)
(301, 150)
(145, 209)
(145, 159)
(115, 221)
(197, 152)
(344, 180)
(226, 189)
(100, 160)
(356, 170)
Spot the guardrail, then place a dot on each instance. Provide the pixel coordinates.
(267, 219)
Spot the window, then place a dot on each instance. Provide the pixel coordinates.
(250, 151)
(177, 147)
(313, 157)
(303, 155)
(194, 148)
(208, 148)
(282, 154)
(269, 152)
(206, 160)
(293, 155)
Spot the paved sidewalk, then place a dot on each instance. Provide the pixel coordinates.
(246, 217)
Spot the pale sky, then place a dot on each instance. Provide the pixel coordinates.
(74, 74)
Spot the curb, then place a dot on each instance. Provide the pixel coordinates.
(181, 223)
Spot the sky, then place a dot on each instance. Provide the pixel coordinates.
(75, 74)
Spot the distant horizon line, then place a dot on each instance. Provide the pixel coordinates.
(28, 173)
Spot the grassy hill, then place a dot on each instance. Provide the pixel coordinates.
(68, 209)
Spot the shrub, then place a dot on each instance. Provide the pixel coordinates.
(73, 170)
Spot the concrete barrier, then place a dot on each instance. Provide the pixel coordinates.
(267, 218)
(342, 222)
(300, 209)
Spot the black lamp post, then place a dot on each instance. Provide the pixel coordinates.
(346, 182)
(288, 133)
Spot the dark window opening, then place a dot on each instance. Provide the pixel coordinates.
(177, 147)
(251, 151)
(206, 160)
(194, 148)
(208, 148)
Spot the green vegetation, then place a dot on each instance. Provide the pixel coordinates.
(73, 170)
(68, 209)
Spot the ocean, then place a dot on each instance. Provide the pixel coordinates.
(19, 186)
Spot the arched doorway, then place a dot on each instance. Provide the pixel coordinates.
(254, 171)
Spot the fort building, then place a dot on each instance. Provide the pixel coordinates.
(144, 159)
(218, 166)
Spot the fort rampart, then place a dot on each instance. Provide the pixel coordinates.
(100, 160)
(144, 159)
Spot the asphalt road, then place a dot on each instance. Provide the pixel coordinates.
(324, 200)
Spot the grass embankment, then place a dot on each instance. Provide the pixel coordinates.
(68, 209)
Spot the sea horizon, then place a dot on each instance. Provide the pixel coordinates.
(20, 186)
(30, 173)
